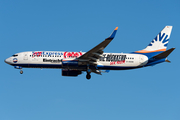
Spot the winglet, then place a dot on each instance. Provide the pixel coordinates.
(112, 34)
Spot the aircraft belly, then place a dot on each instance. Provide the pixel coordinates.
(38, 65)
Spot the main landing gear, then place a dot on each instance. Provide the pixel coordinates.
(88, 76)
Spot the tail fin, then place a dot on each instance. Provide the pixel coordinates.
(159, 43)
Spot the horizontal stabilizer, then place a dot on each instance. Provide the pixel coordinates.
(167, 60)
(106, 71)
(163, 54)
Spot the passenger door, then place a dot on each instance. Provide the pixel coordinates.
(25, 56)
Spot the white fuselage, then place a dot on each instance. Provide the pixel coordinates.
(53, 59)
(95, 60)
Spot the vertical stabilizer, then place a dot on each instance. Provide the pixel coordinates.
(160, 42)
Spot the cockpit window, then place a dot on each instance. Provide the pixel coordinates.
(15, 55)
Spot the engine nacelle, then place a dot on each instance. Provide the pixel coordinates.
(69, 63)
(67, 72)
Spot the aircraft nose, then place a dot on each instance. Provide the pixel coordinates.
(7, 60)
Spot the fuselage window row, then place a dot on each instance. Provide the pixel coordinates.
(60, 56)
(43, 56)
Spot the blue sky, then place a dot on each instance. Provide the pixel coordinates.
(150, 93)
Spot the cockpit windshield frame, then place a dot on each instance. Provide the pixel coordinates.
(15, 55)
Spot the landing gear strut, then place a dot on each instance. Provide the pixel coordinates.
(88, 76)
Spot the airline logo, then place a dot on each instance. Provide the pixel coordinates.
(52, 61)
(46, 53)
(160, 38)
(117, 62)
(72, 54)
(15, 60)
(65, 54)
(36, 54)
(114, 59)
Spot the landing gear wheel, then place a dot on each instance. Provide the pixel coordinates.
(88, 76)
(21, 72)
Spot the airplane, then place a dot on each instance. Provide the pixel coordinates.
(95, 60)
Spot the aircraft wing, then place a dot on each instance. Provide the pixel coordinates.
(95, 53)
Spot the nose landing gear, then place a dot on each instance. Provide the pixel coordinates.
(21, 72)
(19, 67)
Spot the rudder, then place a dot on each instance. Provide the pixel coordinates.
(160, 42)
